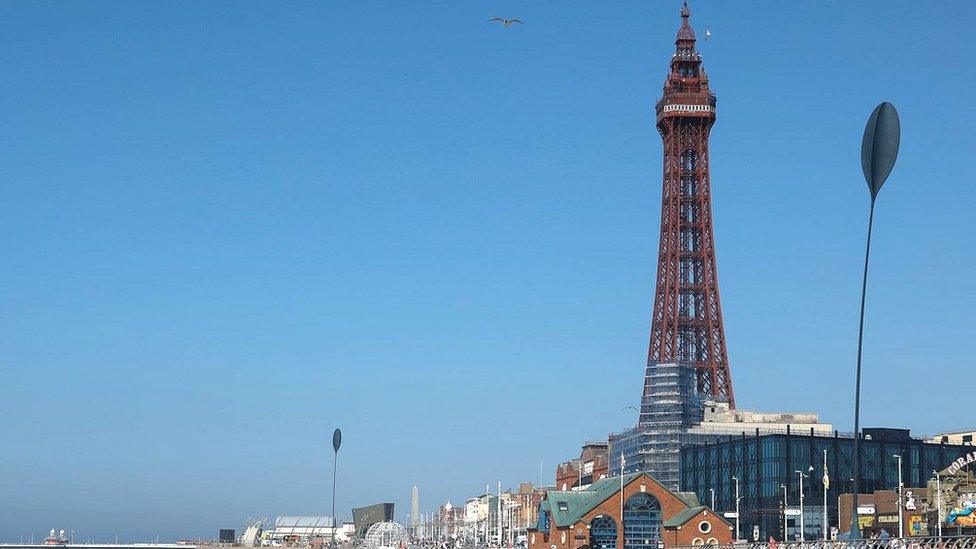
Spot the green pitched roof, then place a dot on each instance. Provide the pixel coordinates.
(689, 498)
(569, 507)
(683, 517)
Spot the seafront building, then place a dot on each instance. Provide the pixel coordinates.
(304, 529)
(770, 466)
(956, 437)
(591, 466)
(679, 419)
(633, 511)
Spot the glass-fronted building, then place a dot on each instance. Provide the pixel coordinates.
(766, 463)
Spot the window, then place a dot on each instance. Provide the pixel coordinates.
(712, 541)
(563, 506)
(603, 533)
(704, 527)
(697, 541)
(642, 522)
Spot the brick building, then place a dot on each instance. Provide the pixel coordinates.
(591, 466)
(528, 499)
(652, 516)
(879, 511)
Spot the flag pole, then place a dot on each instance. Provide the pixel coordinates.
(826, 485)
(621, 529)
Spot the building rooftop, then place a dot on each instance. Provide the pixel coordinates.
(569, 507)
(684, 516)
(303, 521)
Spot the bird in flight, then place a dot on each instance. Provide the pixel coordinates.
(708, 33)
(505, 22)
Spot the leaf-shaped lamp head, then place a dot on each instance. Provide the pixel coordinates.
(879, 148)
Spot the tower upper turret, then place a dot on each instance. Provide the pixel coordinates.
(686, 90)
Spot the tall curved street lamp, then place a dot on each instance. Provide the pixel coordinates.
(879, 150)
(336, 442)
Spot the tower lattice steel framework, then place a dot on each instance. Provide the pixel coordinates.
(687, 324)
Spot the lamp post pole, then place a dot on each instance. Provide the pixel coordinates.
(783, 486)
(712, 491)
(500, 540)
(799, 480)
(901, 520)
(736, 479)
(336, 442)
(879, 150)
(938, 498)
(826, 483)
(621, 535)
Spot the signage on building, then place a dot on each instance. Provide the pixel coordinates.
(888, 519)
(792, 512)
(731, 514)
(915, 525)
(865, 521)
(865, 509)
(965, 460)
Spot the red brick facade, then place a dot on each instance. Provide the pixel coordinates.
(577, 535)
(592, 461)
(706, 527)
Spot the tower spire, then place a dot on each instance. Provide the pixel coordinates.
(685, 33)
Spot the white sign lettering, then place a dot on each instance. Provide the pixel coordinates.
(965, 460)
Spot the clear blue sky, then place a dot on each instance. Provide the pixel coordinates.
(228, 228)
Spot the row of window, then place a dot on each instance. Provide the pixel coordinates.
(690, 108)
(879, 468)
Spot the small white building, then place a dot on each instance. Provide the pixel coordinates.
(306, 528)
(718, 419)
(955, 437)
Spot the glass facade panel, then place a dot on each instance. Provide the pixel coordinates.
(603, 532)
(763, 474)
(642, 522)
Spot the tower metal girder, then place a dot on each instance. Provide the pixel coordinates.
(687, 324)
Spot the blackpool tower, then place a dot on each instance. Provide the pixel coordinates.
(687, 328)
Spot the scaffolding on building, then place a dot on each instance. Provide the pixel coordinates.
(670, 406)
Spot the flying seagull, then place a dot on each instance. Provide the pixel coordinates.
(708, 33)
(505, 22)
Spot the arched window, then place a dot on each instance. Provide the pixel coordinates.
(642, 522)
(603, 533)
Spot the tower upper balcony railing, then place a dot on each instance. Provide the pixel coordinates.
(695, 104)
